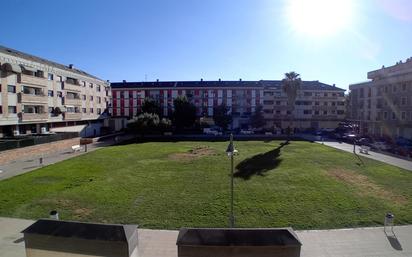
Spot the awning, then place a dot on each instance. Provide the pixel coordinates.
(77, 128)
(27, 68)
(11, 67)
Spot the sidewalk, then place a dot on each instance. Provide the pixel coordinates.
(358, 242)
(398, 162)
(22, 166)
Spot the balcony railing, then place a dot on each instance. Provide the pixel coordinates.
(33, 116)
(72, 116)
(32, 80)
(72, 101)
(71, 86)
(30, 98)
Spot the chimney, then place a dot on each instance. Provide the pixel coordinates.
(157, 80)
(124, 81)
(220, 80)
(107, 81)
(201, 79)
(240, 79)
(71, 66)
(334, 85)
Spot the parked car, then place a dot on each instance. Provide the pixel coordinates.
(380, 145)
(246, 132)
(364, 141)
(212, 131)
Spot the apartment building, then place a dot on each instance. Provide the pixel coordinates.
(318, 105)
(382, 106)
(37, 95)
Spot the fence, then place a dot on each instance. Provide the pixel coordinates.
(13, 143)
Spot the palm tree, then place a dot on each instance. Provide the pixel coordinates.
(290, 85)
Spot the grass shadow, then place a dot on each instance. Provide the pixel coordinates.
(259, 164)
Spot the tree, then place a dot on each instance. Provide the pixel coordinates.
(257, 120)
(290, 85)
(221, 116)
(165, 125)
(184, 114)
(150, 105)
(145, 123)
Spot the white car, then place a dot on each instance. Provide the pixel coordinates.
(210, 131)
(246, 132)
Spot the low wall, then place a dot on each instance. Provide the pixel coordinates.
(37, 150)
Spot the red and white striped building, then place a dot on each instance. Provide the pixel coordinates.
(241, 97)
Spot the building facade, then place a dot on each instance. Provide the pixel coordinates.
(383, 105)
(318, 105)
(37, 95)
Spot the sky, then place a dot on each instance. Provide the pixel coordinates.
(229, 39)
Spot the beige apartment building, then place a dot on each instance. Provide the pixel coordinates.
(317, 106)
(383, 105)
(37, 95)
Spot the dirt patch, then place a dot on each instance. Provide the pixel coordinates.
(365, 187)
(82, 212)
(192, 154)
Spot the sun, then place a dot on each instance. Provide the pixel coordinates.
(319, 17)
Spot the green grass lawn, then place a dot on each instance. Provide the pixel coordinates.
(186, 184)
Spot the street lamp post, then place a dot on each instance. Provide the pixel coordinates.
(230, 152)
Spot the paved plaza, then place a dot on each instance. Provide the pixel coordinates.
(359, 242)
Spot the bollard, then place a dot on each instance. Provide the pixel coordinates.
(54, 215)
(41, 161)
(85, 147)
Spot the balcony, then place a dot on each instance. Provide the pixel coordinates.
(72, 101)
(32, 98)
(71, 86)
(32, 80)
(72, 116)
(33, 116)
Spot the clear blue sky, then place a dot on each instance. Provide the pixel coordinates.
(209, 39)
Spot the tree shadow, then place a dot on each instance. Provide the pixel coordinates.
(259, 164)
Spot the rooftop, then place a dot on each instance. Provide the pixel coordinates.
(307, 85)
(16, 53)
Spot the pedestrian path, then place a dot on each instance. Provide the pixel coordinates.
(398, 162)
(358, 242)
(36, 161)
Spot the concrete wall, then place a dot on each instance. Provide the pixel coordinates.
(245, 251)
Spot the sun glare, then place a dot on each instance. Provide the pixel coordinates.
(319, 17)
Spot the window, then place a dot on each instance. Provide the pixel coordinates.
(316, 112)
(403, 115)
(325, 94)
(84, 97)
(84, 83)
(333, 103)
(59, 94)
(91, 85)
(278, 103)
(403, 87)
(130, 94)
(11, 89)
(0, 87)
(51, 109)
(83, 110)
(1, 109)
(316, 103)
(12, 109)
(267, 102)
(307, 111)
(393, 116)
(50, 76)
(98, 88)
(59, 78)
(403, 100)
(307, 93)
(99, 111)
(91, 110)
(50, 93)
(99, 99)
(385, 115)
(325, 103)
(325, 112)
(91, 98)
